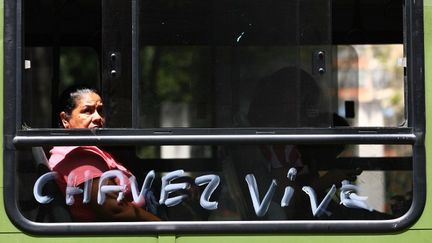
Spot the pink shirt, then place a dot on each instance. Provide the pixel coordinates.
(77, 160)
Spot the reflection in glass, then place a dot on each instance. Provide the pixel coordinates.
(372, 76)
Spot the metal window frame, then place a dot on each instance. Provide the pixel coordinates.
(413, 135)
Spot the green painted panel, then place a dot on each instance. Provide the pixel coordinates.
(22, 238)
(5, 223)
(408, 236)
(167, 239)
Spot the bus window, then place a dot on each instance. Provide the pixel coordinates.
(236, 64)
(380, 176)
(267, 115)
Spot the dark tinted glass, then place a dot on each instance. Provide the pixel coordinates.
(236, 64)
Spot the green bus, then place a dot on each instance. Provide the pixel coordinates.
(233, 121)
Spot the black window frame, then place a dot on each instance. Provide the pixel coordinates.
(413, 135)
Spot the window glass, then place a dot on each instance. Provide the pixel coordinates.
(371, 84)
(363, 182)
(236, 64)
(50, 71)
(219, 65)
(246, 75)
(36, 104)
(211, 65)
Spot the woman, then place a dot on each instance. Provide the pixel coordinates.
(83, 108)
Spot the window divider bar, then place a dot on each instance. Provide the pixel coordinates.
(407, 138)
(135, 65)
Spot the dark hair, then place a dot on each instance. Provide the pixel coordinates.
(68, 99)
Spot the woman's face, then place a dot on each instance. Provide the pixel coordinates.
(88, 113)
